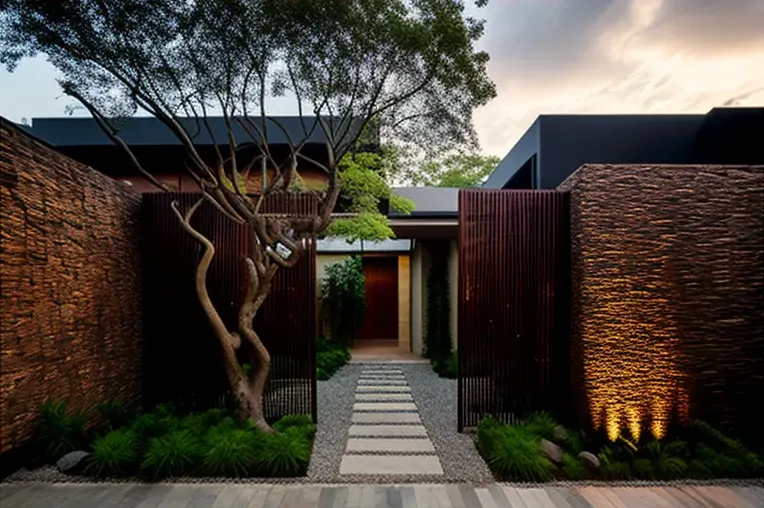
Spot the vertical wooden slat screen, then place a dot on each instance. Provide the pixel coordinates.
(182, 354)
(513, 326)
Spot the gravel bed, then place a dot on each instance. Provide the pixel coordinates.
(436, 399)
(335, 408)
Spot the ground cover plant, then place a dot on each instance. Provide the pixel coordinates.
(539, 449)
(172, 442)
(330, 356)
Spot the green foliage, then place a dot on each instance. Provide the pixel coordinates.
(330, 356)
(302, 422)
(541, 424)
(232, 451)
(114, 414)
(714, 455)
(572, 468)
(59, 430)
(455, 170)
(285, 453)
(176, 453)
(114, 454)
(148, 426)
(513, 452)
(448, 368)
(343, 298)
(613, 467)
(438, 333)
(363, 190)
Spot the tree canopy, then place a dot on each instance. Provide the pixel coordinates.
(455, 169)
(406, 70)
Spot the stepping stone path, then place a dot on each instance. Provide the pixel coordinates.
(387, 437)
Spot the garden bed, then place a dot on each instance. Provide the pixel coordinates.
(541, 450)
(166, 443)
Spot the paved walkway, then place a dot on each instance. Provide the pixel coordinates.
(371, 496)
(386, 436)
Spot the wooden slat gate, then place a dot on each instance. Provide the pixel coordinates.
(513, 344)
(182, 355)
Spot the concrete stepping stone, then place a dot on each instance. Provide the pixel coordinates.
(383, 396)
(382, 418)
(390, 465)
(398, 382)
(384, 406)
(383, 388)
(382, 375)
(388, 430)
(387, 444)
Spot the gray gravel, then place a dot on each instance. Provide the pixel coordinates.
(335, 408)
(436, 399)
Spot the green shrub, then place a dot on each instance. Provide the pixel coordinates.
(612, 466)
(114, 414)
(148, 426)
(232, 451)
(174, 454)
(200, 423)
(330, 356)
(59, 431)
(541, 424)
(284, 453)
(572, 468)
(343, 298)
(114, 454)
(714, 455)
(298, 421)
(513, 452)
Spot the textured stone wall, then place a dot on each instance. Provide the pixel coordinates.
(70, 284)
(668, 296)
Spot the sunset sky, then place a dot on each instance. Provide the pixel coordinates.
(565, 56)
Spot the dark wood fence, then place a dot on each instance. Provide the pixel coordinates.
(513, 344)
(182, 354)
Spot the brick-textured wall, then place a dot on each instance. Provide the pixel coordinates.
(668, 295)
(70, 284)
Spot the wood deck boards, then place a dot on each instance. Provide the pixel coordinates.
(375, 496)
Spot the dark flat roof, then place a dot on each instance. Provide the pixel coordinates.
(148, 131)
(429, 201)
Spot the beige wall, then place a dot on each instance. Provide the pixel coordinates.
(404, 302)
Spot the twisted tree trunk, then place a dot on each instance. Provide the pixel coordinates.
(248, 390)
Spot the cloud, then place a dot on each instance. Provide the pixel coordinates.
(618, 56)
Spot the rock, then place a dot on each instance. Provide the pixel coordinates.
(589, 459)
(559, 434)
(552, 451)
(72, 462)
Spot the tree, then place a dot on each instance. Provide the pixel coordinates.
(392, 68)
(456, 170)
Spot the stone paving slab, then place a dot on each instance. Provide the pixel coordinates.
(384, 406)
(387, 430)
(390, 444)
(383, 376)
(376, 382)
(382, 388)
(386, 397)
(405, 495)
(390, 465)
(381, 417)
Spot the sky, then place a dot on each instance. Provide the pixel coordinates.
(563, 56)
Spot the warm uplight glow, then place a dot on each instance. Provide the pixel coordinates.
(631, 360)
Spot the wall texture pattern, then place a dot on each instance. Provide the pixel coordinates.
(70, 284)
(667, 296)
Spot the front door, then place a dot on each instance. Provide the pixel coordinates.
(381, 319)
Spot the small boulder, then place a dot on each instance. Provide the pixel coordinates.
(559, 434)
(72, 462)
(551, 451)
(589, 460)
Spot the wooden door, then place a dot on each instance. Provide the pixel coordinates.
(381, 319)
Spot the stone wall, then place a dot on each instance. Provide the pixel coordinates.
(70, 286)
(668, 296)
